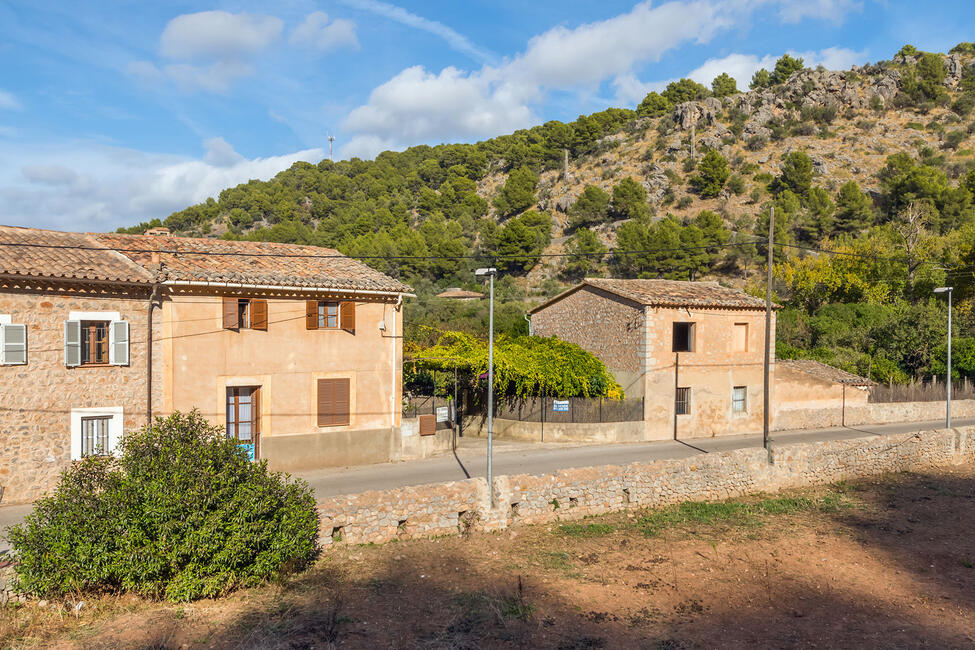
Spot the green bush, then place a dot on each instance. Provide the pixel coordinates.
(713, 172)
(180, 514)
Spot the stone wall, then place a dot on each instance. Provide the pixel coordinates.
(451, 508)
(35, 429)
(605, 432)
(606, 325)
(870, 413)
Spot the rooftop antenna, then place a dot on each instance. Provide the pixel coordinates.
(331, 139)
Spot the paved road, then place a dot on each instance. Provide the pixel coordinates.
(542, 458)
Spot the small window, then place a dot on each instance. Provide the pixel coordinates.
(739, 399)
(244, 313)
(328, 315)
(683, 402)
(244, 417)
(684, 337)
(739, 341)
(94, 436)
(94, 342)
(13, 344)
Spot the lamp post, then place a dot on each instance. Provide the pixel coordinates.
(490, 272)
(948, 402)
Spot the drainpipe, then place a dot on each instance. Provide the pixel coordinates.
(392, 397)
(676, 384)
(153, 298)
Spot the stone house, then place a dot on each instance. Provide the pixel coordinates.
(296, 350)
(694, 351)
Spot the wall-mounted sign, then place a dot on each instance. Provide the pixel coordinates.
(443, 414)
(560, 405)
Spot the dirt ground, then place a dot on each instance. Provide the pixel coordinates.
(881, 563)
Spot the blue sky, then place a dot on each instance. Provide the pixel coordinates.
(112, 113)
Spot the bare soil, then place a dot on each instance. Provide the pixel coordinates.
(882, 563)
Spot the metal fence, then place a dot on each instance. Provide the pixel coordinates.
(417, 405)
(556, 410)
(929, 390)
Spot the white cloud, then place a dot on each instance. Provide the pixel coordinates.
(49, 174)
(316, 32)
(218, 35)
(220, 153)
(453, 38)
(793, 11)
(101, 188)
(9, 102)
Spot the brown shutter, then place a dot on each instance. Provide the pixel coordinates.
(333, 402)
(347, 316)
(311, 314)
(259, 315)
(428, 425)
(230, 314)
(256, 410)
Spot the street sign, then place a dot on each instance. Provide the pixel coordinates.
(560, 405)
(443, 414)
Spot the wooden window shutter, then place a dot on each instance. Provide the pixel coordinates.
(256, 411)
(72, 343)
(118, 343)
(347, 316)
(311, 314)
(13, 345)
(259, 315)
(230, 314)
(333, 402)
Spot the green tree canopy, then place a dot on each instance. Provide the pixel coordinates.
(713, 173)
(684, 90)
(760, 80)
(724, 85)
(784, 68)
(797, 173)
(591, 208)
(584, 244)
(854, 209)
(518, 192)
(653, 105)
(629, 200)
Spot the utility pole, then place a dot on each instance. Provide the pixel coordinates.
(490, 272)
(948, 378)
(331, 139)
(768, 334)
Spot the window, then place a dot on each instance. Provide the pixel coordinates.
(94, 342)
(333, 402)
(95, 431)
(94, 435)
(13, 343)
(683, 402)
(330, 315)
(683, 337)
(96, 339)
(739, 339)
(244, 313)
(739, 399)
(244, 417)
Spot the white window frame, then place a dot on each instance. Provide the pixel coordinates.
(5, 321)
(113, 331)
(115, 426)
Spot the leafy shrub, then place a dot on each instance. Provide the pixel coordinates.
(685, 202)
(953, 139)
(712, 174)
(756, 143)
(736, 184)
(591, 208)
(179, 514)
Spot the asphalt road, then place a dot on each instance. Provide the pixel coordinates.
(541, 458)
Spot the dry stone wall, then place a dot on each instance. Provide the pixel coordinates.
(872, 413)
(458, 507)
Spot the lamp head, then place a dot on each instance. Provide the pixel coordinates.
(486, 271)
(943, 289)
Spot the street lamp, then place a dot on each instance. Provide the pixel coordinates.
(490, 272)
(948, 404)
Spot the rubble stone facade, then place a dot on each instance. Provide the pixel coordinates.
(38, 397)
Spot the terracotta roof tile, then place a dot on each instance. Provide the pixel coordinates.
(63, 255)
(131, 258)
(824, 372)
(677, 293)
